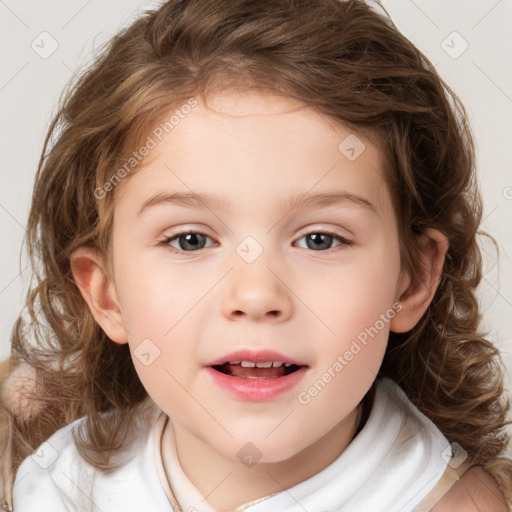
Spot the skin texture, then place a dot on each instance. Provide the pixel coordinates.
(476, 491)
(255, 151)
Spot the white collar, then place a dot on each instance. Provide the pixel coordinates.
(392, 464)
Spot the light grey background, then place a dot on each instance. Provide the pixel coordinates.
(43, 43)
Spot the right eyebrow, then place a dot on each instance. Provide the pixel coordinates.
(187, 199)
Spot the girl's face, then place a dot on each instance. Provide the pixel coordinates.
(292, 257)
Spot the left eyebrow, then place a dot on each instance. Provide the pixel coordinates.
(325, 199)
(209, 201)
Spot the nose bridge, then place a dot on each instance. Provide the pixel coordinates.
(255, 288)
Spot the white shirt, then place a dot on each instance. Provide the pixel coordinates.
(391, 465)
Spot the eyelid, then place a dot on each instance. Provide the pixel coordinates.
(344, 241)
(166, 240)
(326, 231)
(304, 232)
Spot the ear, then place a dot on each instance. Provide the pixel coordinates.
(415, 294)
(88, 269)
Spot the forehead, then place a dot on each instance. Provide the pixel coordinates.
(257, 142)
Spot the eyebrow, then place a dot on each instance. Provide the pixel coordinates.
(209, 201)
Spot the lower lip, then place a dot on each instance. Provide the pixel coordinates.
(257, 390)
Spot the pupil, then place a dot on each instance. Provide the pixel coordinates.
(190, 240)
(319, 240)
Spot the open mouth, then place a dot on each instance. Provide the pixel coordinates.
(256, 370)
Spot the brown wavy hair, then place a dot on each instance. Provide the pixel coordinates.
(343, 59)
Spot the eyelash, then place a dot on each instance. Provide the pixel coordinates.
(165, 243)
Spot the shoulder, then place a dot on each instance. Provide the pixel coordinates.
(54, 453)
(476, 491)
(56, 476)
(46, 473)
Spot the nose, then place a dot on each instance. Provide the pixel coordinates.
(256, 292)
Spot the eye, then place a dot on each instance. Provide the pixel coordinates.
(187, 241)
(321, 241)
(190, 241)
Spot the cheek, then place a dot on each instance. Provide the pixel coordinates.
(152, 299)
(356, 306)
(353, 296)
(165, 366)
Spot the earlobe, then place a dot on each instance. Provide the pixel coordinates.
(419, 292)
(98, 291)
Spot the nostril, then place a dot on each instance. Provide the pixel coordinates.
(273, 313)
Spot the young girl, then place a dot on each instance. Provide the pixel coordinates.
(253, 233)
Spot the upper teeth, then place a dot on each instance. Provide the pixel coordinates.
(260, 364)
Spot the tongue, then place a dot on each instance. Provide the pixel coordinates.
(254, 373)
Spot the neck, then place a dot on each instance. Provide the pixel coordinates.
(228, 484)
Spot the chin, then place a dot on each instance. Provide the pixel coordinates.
(264, 451)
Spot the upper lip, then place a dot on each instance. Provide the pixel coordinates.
(255, 355)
